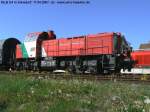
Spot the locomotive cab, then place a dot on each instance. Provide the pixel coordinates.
(29, 53)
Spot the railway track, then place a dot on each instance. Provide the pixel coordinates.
(127, 78)
(112, 77)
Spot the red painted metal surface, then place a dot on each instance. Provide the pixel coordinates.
(99, 44)
(82, 45)
(78, 46)
(64, 47)
(51, 47)
(142, 58)
(18, 52)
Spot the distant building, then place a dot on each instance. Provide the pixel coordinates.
(145, 46)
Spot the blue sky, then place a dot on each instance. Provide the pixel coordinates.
(130, 17)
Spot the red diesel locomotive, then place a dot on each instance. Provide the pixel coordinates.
(97, 53)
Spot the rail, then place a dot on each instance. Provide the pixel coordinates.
(110, 77)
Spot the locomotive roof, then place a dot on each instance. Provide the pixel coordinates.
(93, 35)
(102, 34)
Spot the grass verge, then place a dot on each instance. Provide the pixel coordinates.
(27, 94)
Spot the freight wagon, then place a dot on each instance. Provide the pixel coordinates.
(8, 53)
(97, 53)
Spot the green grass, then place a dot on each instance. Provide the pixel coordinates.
(26, 94)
